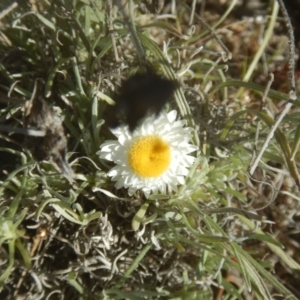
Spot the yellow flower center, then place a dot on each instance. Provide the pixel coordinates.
(149, 156)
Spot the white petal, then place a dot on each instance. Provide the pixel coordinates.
(172, 116)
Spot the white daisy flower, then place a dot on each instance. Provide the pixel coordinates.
(154, 158)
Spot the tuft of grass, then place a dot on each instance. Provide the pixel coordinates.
(219, 235)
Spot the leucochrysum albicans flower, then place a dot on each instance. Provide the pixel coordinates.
(154, 158)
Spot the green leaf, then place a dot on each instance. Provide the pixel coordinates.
(137, 219)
